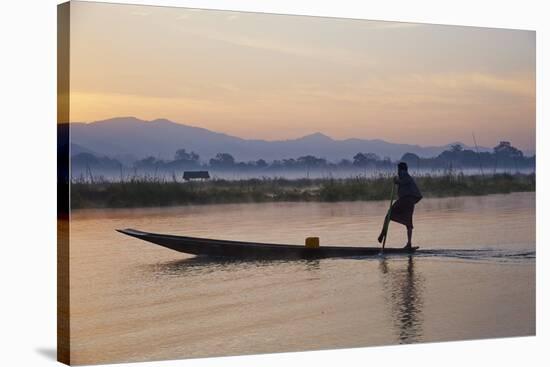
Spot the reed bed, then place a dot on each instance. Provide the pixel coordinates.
(149, 191)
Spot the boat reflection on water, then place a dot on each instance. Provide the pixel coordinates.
(403, 286)
(197, 266)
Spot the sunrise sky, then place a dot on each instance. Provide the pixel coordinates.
(279, 76)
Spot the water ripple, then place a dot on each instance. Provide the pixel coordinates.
(499, 255)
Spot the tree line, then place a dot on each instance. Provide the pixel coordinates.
(504, 155)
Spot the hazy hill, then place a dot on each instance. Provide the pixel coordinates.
(127, 138)
(77, 149)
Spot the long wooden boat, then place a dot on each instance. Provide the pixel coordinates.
(253, 250)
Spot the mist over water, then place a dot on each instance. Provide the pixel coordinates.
(126, 174)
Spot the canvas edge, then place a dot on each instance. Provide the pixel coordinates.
(63, 166)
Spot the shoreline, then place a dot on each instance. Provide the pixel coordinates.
(146, 192)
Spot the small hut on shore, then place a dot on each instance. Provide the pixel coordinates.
(196, 175)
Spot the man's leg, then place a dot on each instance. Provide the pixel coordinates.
(409, 236)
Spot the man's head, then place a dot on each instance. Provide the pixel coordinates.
(402, 166)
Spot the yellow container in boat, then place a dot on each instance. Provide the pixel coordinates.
(312, 242)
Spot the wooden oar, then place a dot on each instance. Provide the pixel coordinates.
(387, 220)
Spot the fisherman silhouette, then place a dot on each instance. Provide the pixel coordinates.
(408, 196)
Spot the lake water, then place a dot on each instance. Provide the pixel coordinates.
(134, 301)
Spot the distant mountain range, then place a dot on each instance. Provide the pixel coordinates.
(128, 139)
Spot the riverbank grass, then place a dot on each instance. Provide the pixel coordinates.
(148, 192)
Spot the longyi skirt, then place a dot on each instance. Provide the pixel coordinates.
(402, 210)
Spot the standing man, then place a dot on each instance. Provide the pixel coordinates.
(408, 195)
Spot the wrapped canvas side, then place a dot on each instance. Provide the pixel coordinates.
(63, 182)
